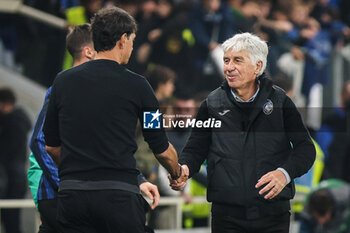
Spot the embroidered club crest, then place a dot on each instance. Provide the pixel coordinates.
(268, 107)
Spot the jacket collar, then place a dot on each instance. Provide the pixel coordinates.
(265, 91)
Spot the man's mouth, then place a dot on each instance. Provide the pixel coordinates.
(231, 77)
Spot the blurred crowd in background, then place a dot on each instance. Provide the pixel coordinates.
(177, 48)
(182, 34)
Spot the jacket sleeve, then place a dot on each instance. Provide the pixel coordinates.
(156, 138)
(37, 145)
(197, 146)
(51, 122)
(34, 174)
(303, 150)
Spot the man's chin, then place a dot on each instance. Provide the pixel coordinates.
(232, 84)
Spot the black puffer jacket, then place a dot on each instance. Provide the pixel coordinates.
(254, 139)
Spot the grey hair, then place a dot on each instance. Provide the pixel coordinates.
(256, 47)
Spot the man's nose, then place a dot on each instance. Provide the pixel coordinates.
(230, 67)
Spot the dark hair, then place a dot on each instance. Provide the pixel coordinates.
(77, 38)
(320, 202)
(7, 96)
(159, 75)
(108, 25)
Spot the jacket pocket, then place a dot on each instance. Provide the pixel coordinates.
(224, 173)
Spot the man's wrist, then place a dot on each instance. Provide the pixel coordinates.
(141, 179)
(174, 177)
(285, 174)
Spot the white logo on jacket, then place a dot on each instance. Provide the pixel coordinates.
(268, 107)
(224, 112)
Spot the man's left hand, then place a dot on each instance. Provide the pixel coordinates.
(151, 191)
(275, 182)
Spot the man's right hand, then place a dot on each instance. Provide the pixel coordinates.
(180, 183)
(151, 191)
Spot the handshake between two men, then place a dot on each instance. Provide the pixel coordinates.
(179, 183)
(270, 184)
(178, 174)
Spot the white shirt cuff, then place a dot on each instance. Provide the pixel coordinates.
(285, 173)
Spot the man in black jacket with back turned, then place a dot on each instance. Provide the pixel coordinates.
(261, 146)
(90, 131)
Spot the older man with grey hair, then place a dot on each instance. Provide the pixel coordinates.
(259, 148)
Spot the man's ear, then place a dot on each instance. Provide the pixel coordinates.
(88, 52)
(258, 67)
(122, 40)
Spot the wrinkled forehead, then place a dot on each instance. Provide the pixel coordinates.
(236, 53)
